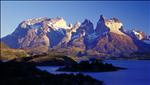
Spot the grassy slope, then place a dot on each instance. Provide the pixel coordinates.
(9, 54)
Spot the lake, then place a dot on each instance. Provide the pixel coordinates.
(138, 73)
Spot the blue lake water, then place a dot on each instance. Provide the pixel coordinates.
(138, 73)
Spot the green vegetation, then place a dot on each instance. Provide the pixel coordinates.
(10, 54)
(47, 59)
(52, 60)
(40, 58)
(94, 66)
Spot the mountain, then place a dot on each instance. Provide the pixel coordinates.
(101, 27)
(38, 32)
(112, 41)
(115, 45)
(136, 34)
(109, 38)
(79, 37)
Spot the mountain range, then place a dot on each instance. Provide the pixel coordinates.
(108, 39)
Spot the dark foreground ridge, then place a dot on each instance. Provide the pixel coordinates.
(94, 66)
(13, 73)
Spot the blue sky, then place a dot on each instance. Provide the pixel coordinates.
(133, 14)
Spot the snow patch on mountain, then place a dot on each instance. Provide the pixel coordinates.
(138, 34)
(114, 25)
(57, 23)
(29, 22)
(109, 25)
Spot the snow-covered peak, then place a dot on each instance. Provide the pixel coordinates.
(36, 20)
(53, 23)
(76, 26)
(114, 25)
(138, 34)
(70, 25)
(109, 25)
(57, 23)
(32, 21)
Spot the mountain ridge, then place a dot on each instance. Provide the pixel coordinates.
(107, 38)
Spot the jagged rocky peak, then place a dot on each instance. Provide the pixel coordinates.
(102, 18)
(101, 28)
(114, 25)
(111, 25)
(87, 26)
(37, 32)
(137, 34)
(54, 23)
(86, 21)
(32, 21)
(75, 27)
(70, 25)
(109, 37)
(69, 33)
(78, 23)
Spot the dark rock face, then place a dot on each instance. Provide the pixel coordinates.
(55, 37)
(11, 41)
(87, 27)
(101, 27)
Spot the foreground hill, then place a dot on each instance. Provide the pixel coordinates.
(13, 73)
(19, 55)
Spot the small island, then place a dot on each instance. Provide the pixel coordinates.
(93, 66)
